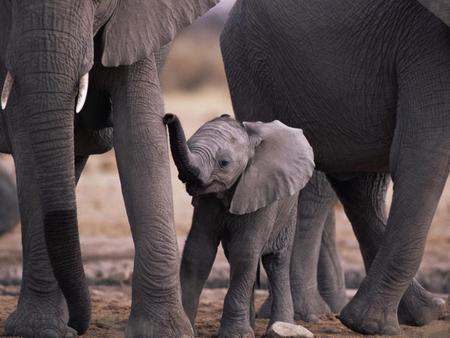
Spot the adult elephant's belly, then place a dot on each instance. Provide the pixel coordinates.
(348, 148)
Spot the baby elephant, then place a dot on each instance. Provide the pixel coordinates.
(244, 179)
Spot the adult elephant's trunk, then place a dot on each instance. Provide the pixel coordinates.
(50, 50)
(182, 157)
(44, 123)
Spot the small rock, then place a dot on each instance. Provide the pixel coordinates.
(287, 330)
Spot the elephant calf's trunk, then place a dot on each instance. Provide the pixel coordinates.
(180, 151)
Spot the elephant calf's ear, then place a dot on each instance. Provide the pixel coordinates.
(282, 165)
(139, 28)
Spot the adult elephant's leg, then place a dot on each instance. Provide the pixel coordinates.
(199, 252)
(363, 198)
(316, 201)
(244, 243)
(330, 275)
(419, 165)
(41, 309)
(140, 142)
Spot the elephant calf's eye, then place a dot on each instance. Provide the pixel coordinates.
(223, 163)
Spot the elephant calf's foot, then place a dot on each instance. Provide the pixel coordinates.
(173, 325)
(370, 316)
(39, 320)
(309, 306)
(419, 307)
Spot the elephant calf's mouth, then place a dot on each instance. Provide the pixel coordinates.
(196, 189)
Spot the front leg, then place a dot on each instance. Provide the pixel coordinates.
(277, 266)
(200, 251)
(41, 309)
(316, 202)
(244, 242)
(140, 142)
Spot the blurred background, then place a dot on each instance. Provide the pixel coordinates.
(195, 89)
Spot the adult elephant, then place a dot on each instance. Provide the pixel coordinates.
(47, 50)
(9, 210)
(368, 82)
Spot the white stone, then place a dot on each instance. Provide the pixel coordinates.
(287, 330)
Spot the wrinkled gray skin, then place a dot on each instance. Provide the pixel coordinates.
(47, 46)
(9, 206)
(219, 165)
(317, 282)
(365, 80)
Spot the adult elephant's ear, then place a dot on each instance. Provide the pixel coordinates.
(138, 28)
(440, 8)
(282, 165)
(5, 26)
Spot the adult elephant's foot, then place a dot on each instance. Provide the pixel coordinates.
(419, 307)
(309, 305)
(265, 310)
(40, 318)
(370, 315)
(167, 324)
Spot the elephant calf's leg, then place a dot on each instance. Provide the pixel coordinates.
(330, 275)
(316, 201)
(277, 268)
(199, 253)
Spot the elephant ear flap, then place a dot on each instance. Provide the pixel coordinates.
(138, 28)
(282, 165)
(440, 8)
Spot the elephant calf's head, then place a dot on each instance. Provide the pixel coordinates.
(264, 162)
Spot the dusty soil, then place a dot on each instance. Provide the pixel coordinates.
(112, 305)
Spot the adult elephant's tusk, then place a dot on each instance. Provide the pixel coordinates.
(82, 93)
(7, 88)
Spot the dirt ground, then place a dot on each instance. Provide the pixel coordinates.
(111, 307)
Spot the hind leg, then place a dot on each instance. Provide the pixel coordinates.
(364, 201)
(330, 275)
(316, 202)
